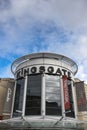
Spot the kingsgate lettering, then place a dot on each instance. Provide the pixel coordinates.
(42, 69)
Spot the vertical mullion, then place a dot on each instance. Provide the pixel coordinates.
(43, 95)
(15, 86)
(74, 100)
(24, 96)
(62, 97)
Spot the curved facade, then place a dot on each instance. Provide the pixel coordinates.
(44, 87)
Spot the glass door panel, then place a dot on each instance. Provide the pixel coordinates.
(33, 97)
(53, 95)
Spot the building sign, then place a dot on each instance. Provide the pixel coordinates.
(9, 93)
(42, 69)
(66, 93)
(8, 102)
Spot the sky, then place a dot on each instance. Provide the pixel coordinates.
(30, 26)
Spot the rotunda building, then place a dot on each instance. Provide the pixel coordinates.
(44, 88)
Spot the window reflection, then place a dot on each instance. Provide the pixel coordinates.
(53, 95)
(18, 103)
(33, 97)
(71, 113)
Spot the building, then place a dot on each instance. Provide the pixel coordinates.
(6, 96)
(81, 99)
(44, 93)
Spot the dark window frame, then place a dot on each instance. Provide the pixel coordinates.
(18, 99)
(34, 101)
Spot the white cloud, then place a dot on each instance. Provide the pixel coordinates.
(82, 73)
(63, 12)
(18, 19)
(6, 72)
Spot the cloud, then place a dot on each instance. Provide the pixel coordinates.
(5, 72)
(67, 13)
(59, 26)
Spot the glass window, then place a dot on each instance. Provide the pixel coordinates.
(81, 96)
(53, 95)
(33, 97)
(70, 112)
(18, 103)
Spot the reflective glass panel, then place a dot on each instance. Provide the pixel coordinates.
(33, 97)
(71, 110)
(53, 95)
(18, 103)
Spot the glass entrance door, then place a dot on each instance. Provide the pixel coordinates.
(52, 97)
